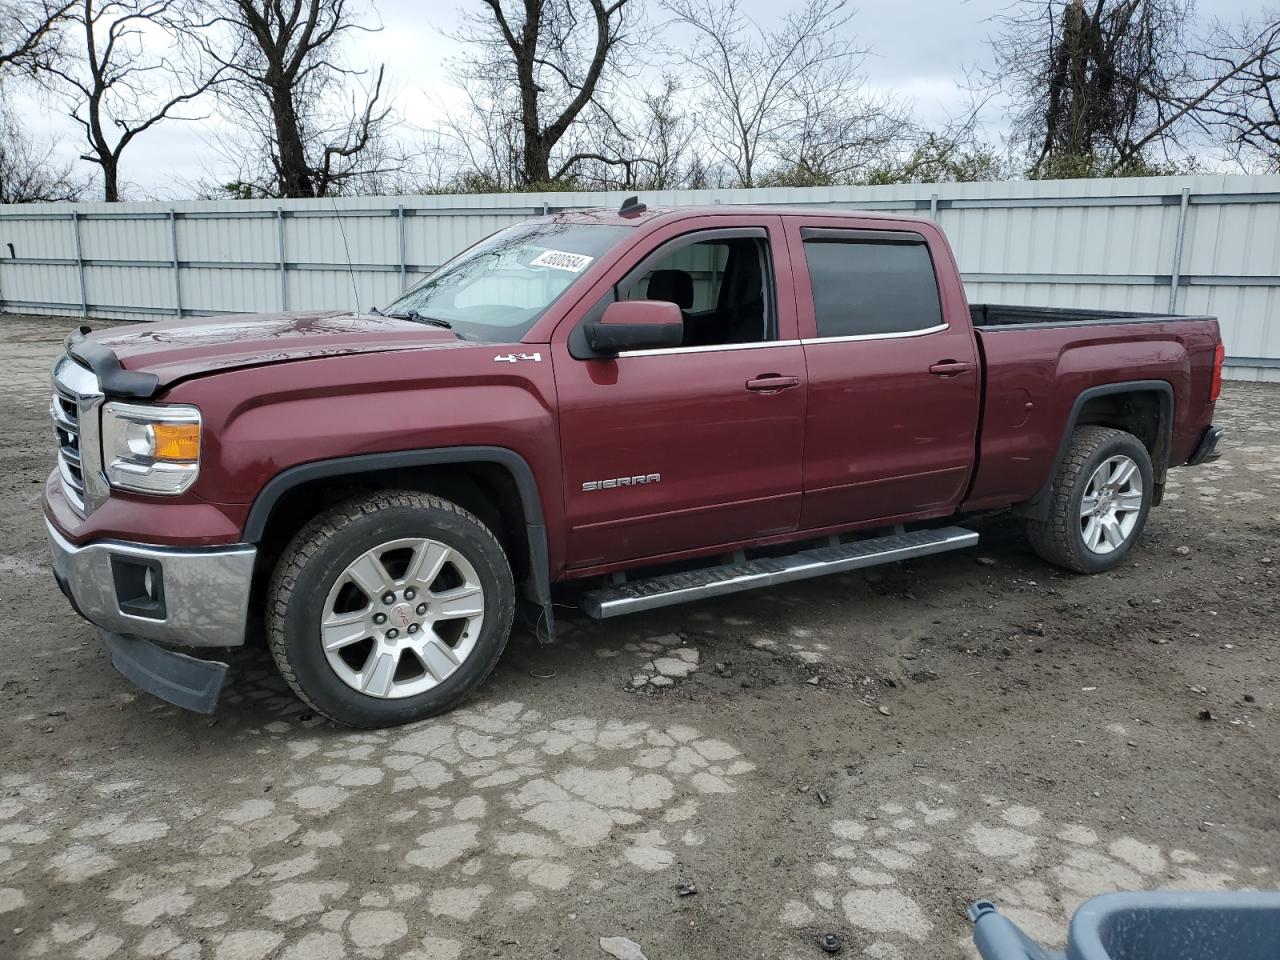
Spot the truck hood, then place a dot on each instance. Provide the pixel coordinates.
(174, 350)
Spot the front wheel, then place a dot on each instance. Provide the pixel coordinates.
(1101, 496)
(389, 608)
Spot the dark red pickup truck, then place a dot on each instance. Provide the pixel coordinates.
(663, 406)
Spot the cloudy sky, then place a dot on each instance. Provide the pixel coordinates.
(919, 49)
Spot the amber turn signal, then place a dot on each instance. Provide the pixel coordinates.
(177, 441)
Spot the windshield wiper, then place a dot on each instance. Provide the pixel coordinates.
(417, 317)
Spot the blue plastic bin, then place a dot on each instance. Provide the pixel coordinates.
(1146, 926)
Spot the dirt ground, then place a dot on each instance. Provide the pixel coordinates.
(861, 755)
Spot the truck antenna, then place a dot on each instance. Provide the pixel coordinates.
(351, 271)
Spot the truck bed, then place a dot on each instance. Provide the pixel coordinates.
(995, 315)
(1038, 361)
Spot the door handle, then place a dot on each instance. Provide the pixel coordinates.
(772, 383)
(950, 368)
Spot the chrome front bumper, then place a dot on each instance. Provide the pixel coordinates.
(194, 597)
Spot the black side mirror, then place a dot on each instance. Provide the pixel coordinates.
(636, 325)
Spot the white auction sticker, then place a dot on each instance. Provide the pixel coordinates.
(560, 260)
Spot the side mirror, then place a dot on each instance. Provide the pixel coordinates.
(636, 325)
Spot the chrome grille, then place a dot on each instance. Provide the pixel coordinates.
(65, 411)
(73, 408)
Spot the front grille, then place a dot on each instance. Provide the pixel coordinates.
(65, 410)
(74, 408)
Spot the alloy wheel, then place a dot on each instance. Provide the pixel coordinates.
(1111, 505)
(402, 618)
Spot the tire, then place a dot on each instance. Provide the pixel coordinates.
(1066, 537)
(436, 576)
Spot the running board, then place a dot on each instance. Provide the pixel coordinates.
(673, 588)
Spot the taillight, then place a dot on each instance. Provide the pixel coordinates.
(1215, 388)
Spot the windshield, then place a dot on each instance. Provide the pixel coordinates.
(499, 287)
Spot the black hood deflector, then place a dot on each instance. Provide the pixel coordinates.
(114, 379)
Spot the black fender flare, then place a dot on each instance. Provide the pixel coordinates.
(1037, 507)
(535, 526)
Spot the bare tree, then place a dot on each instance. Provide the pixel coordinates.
(1241, 100)
(1095, 83)
(28, 173)
(484, 136)
(284, 59)
(644, 142)
(119, 88)
(783, 103)
(543, 66)
(951, 152)
(942, 156)
(29, 33)
(30, 40)
(662, 132)
(838, 132)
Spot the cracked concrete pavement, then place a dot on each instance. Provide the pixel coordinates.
(1041, 740)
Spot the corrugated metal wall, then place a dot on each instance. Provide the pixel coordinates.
(1206, 244)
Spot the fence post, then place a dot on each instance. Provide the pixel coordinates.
(1175, 275)
(400, 219)
(75, 229)
(284, 286)
(177, 270)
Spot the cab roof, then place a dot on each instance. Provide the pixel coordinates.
(614, 217)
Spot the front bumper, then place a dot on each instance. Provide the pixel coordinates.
(193, 597)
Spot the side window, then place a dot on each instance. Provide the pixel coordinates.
(865, 287)
(723, 287)
(704, 262)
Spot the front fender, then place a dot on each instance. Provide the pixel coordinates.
(519, 469)
(261, 422)
(267, 429)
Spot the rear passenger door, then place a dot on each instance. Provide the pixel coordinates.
(893, 376)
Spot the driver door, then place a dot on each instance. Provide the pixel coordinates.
(684, 449)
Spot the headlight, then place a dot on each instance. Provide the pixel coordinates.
(151, 449)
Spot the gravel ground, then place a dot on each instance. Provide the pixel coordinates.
(861, 755)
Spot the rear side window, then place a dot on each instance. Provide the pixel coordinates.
(864, 287)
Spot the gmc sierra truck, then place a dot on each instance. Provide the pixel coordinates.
(659, 405)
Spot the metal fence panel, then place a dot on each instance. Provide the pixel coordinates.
(1203, 244)
(222, 239)
(231, 290)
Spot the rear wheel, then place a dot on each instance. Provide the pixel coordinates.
(1101, 496)
(389, 608)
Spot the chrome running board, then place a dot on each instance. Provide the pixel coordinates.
(672, 588)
